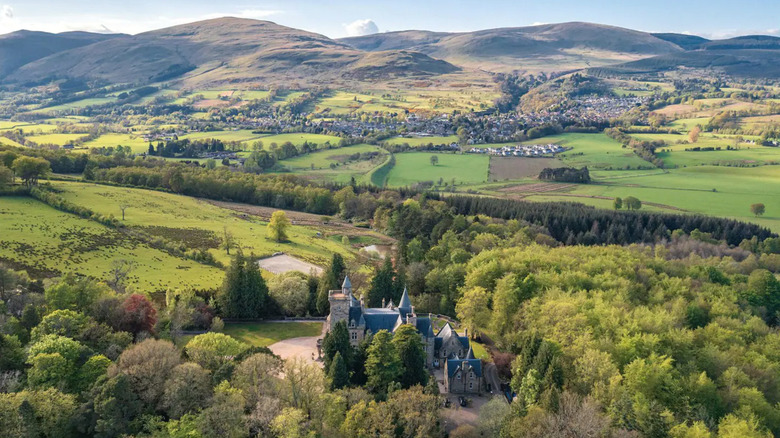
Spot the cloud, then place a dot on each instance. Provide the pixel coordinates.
(361, 27)
(6, 12)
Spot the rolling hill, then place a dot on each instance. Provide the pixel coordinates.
(224, 50)
(747, 63)
(549, 47)
(24, 46)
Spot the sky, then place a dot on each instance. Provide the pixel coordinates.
(341, 18)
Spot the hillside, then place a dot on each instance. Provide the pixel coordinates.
(22, 47)
(550, 47)
(684, 41)
(219, 51)
(747, 63)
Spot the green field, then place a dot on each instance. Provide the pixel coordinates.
(344, 169)
(422, 141)
(45, 241)
(226, 136)
(414, 167)
(596, 151)
(113, 140)
(263, 334)
(299, 138)
(56, 139)
(713, 190)
(197, 223)
(323, 159)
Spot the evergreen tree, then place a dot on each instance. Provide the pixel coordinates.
(330, 280)
(244, 293)
(336, 342)
(382, 285)
(410, 350)
(338, 374)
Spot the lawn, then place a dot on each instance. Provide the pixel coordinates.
(263, 334)
(413, 167)
(197, 223)
(46, 242)
(596, 151)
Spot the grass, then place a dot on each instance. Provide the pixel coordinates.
(596, 151)
(323, 159)
(316, 165)
(226, 136)
(137, 144)
(264, 334)
(414, 167)
(44, 241)
(56, 139)
(197, 223)
(299, 138)
(422, 141)
(712, 190)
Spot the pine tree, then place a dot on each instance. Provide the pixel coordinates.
(336, 342)
(229, 296)
(244, 293)
(339, 376)
(255, 296)
(382, 285)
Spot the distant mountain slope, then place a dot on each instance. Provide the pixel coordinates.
(748, 63)
(745, 42)
(687, 42)
(549, 47)
(223, 50)
(22, 47)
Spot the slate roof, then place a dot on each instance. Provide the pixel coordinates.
(347, 284)
(454, 364)
(405, 303)
(380, 319)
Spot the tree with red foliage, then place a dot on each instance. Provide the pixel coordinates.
(138, 314)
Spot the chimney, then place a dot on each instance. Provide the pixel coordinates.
(466, 332)
(383, 302)
(362, 304)
(413, 310)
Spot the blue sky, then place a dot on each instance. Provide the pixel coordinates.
(339, 18)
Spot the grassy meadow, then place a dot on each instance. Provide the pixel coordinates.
(413, 167)
(197, 223)
(45, 241)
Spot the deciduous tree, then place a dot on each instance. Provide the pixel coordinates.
(278, 226)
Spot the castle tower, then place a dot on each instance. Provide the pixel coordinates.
(340, 302)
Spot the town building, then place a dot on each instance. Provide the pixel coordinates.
(464, 376)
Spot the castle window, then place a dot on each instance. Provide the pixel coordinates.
(354, 336)
(471, 385)
(471, 375)
(457, 376)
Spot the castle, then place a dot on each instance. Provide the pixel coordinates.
(445, 349)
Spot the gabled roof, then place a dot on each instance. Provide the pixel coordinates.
(446, 331)
(405, 303)
(453, 365)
